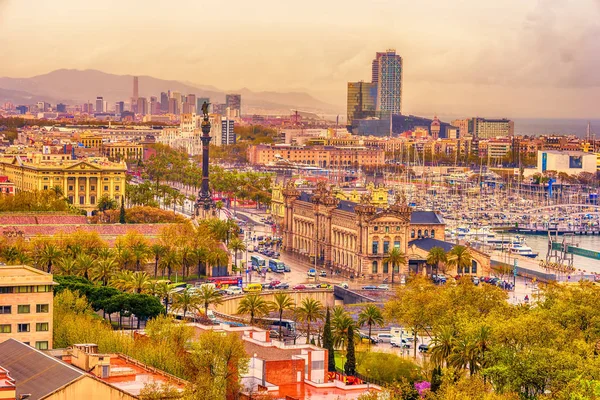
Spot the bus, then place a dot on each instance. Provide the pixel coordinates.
(224, 282)
(288, 326)
(257, 262)
(276, 265)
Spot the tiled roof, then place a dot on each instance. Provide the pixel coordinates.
(34, 372)
(426, 217)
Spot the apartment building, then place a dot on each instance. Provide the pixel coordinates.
(26, 306)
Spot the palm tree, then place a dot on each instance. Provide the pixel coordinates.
(11, 254)
(217, 257)
(459, 257)
(162, 290)
(200, 254)
(157, 251)
(170, 261)
(464, 355)
(341, 322)
(138, 281)
(443, 344)
(395, 257)
(139, 251)
(186, 301)
(436, 256)
(219, 205)
(103, 270)
(282, 302)
(66, 266)
(84, 263)
(48, 255)
(370, 315)
(185, 252)
(104, 253)
(310, 310)
(207, 296)
(236, 245)
(254, 305)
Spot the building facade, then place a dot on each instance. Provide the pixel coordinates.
(26, 306)
(234, 102)
(362, 100)
(123, 151)
(83, 181)
(321, 156)
(354, 238)
(389, 82)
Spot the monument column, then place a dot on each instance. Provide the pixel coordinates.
(205, 206)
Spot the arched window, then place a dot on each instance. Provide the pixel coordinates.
(386, 268)
(374, 267)
(412, 234)
(426, 232)
(419, 233)
(433, 233)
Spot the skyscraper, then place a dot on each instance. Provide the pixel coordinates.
(142, 106)
(387, 74)
(362, 100)
(119, 107)
(154, 106)
(136, 93)
(164, 101)
(234, 102)
(99, 104)
(227, 131)
(173, 106)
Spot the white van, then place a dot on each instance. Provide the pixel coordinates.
(211, 316)
(384, 337)
(233, 290)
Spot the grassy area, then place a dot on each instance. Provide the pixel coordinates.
(339, 362)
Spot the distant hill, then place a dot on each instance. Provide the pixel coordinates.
(75, 86)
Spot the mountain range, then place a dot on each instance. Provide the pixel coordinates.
(71, 86)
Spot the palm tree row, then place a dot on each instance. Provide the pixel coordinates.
(467, 352)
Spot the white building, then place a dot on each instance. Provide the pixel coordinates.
(569, 162)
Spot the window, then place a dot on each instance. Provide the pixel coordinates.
(116, 188)
(374, 268)
(386, 247)
(81, 188)
(23, 309)
(23, 289)
(387, 229)
(41, 327)
(474, 266)
(92, 187)
(81, 199)
(386, 268)
(41, 345)
(105, 188)
(375, 247)
(71, 199)
(426, 232)
(92, 199)
(5, 309)
(419, 233)
(398, 228)
(70, 187)
(433, 233)
(43, 288)
(375, 228)
(41, 308)
(22, 327)
(45, 187)
(6, 289)
(412, 234)
(5, 328)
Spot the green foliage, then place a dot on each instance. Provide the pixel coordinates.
(387, 367)
(310, 311)
(350, 366)
(106, 203)
(122, 218)
(328, 341)
(139, 215)
(254, 305)
(36, 201)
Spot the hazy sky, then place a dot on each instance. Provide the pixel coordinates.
(513, 58)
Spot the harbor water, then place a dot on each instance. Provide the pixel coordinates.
(539, 243)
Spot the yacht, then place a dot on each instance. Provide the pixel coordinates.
(522, 250)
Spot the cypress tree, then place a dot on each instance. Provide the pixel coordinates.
(122, 213)
(328, 342)
(350, 367)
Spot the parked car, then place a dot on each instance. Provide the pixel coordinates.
(323, 274)
(282, 286)
(273, 284)
(401, 343)
(365, 337)
(299, 287)
(423, 348)
(384, 337)
(344, 285)
(369, 287)
(323, 286)
(312, 272)
(383, 287)
(233, 290)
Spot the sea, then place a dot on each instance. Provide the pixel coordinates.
(546, 126)
(539, 243)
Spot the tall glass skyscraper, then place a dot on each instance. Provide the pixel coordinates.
(387, 75)
(362, 100)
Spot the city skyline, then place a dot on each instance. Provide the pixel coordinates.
(459, 67)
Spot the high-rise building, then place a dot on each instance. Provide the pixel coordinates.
(362, 100)
(219, 108)
(99, 104)
(164, 101)
(142, 106)
(136, 93)
(200, 101)
(234, 102)
(61, 108)
(388, 78)
(227, 131)
(173, 106)
(22, 109)
(482, 128)
(119, 107)
(154, 106)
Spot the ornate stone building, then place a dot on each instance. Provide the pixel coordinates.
(354, 237)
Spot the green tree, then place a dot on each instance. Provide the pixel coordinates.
(460, 258)
(236, 245)
(435, 257)
(395, 257)
(442, 346)
(49, 254)
(310, 310)
(85, 263)
(370, 315)
(103, 271)
(254, 305)
(106, 203)
(208, 295)
(157, 251)
(66, 266)
(328, 341)
(350, 366)
(282, 302)
(186, 301)
(122, 211)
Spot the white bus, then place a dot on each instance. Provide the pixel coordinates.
(257, 262)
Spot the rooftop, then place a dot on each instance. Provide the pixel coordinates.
(429, 243)
(22, 274)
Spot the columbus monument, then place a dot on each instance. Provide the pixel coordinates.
(205, 206)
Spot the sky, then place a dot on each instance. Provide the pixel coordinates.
(495, 58)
